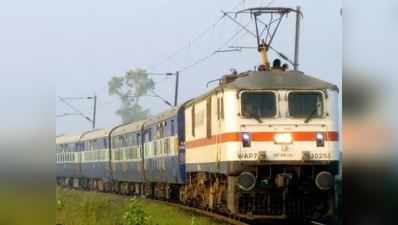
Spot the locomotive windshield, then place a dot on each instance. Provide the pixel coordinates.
(258, 104)
(305, 104)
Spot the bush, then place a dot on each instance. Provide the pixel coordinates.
(135, 215)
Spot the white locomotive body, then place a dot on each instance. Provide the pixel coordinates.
(261, 134)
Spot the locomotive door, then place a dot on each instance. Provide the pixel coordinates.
(218, 125)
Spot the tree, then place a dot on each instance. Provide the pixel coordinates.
(130, 88)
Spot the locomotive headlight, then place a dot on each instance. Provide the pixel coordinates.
(246, 139)
(320, 139)
(285, 138)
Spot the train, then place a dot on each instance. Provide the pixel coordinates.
(262, 144)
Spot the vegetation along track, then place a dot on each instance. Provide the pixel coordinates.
(224, 219)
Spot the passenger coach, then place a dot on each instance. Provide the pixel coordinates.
(127, 157)
(68, 159)
(95, 159)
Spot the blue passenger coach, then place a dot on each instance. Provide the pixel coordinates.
(67, 158)
(161, 152)
(95, 162)
(126, 157)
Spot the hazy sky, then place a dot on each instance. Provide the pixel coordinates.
(90, 41)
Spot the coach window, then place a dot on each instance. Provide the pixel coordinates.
(148, 135)
(97, 144)
(172, 128)
(130, 139)
(92, 145)
(159, 129)
(125, 140)
(133, 137)
(113, 143)
(160, 134)
(138, 138)
(119, 141)
(105, 143)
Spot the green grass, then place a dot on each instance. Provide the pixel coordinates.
(90, 208)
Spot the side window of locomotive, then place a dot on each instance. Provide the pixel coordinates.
(304, 104)
(208, 117)
(258, 104)
(220, 108)
(193, 120)
(148, 135)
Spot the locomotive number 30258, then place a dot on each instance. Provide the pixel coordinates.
(320, 155)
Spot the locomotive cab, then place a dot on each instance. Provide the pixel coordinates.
(288, 143)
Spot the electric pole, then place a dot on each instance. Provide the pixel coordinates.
(297, 39)
(176, 86)
(77, 111)
(177, 74)
(94, 109)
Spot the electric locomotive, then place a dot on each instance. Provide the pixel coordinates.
(264, 144)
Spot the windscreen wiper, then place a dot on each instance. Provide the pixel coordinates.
(256, 116)
(311, 115)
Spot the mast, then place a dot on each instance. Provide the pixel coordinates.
(297, 39)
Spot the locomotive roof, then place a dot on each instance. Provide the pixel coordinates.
(278, 80)
(94, 134)
(67, 138)
(270, 80)
(128, 127)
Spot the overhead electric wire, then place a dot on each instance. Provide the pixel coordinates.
(189, 44)
(74, 109)
(194, 40)
(201, 60)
